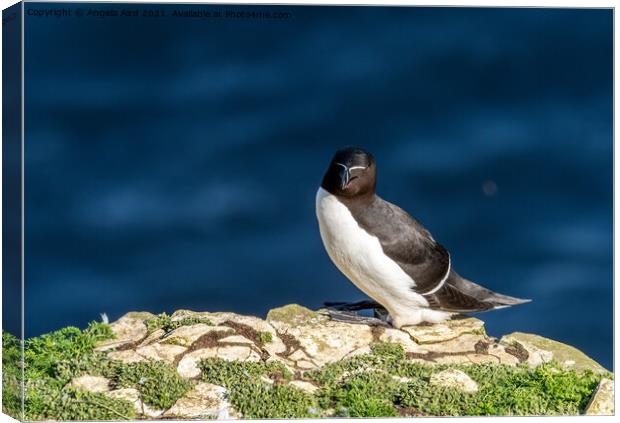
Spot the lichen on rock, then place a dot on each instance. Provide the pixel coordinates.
(204, 401)
(454, 378)
(291, 314)
(602, 401)
(301, 364)
(90, 383)
(541, 350)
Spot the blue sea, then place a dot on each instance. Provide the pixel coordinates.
(172, 162)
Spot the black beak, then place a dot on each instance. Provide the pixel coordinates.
(344, 176)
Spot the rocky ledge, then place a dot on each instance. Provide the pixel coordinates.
(300, 363)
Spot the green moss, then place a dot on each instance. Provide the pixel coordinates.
(388, 349)
(52, 360)
(175, 341)
(291, 313)
(233, 373)
(264, 338)
(373, 385)
(159, 383)
(73, 404)
(43, 354)
(11, 376)
(260, 400)
(368, 394)
(380, 384)
(244, 385)
(386, 357)
(504, 390)
(165, 322)
(561, 352)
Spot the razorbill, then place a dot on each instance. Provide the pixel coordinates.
(386, 253)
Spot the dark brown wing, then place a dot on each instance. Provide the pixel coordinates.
(406, 242)
(460, 296)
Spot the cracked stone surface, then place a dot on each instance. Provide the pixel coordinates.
(126, 356)
(188, 366)
(153, 337)
(602, 402)
(128, 330)
(451, 329)
(164, 352)
(453, 378)
(187, 335)
(541, 350)
(302, 340)
(315, 340)
(133, 396)
(90, 383)
(304, 386)
(204, 401)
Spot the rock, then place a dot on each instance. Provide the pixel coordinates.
(126, 356)
(246, 326)
(402, 338)
(453, 378)
(129, 329)
(358, 351)
(138, 315)
(452, 359)
(538, 350)
(304, 340)
(498, 351)
(163, 352)
(236, 339)
(182, 314)
(187, 335)
(314, 340)
(306, 365)
(153, 337)
(602, 401)
(188, 365)
(234, 352)
(128, 394)
(304, 386)
(464, 344)
(249, 326)
(292, 314)
(133, 396)
(205, 401)
(482, 358)
(450, 329)
(90, 383)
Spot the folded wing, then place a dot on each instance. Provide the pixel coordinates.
(428, 263)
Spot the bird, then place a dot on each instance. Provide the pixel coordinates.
(387, 253)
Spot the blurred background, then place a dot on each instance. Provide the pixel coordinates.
(173, 163)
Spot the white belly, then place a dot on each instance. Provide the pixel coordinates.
(360, 257)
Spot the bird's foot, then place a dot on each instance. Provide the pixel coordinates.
(352, 317)
(346, 312)
(360, 305)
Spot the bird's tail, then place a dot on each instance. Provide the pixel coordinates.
(485, 295)
(503, 301)
(462, 296)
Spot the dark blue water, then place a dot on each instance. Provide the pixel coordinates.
(172, 163)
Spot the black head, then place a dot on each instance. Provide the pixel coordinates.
(351, 173)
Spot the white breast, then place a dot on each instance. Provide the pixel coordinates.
(360, 257)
